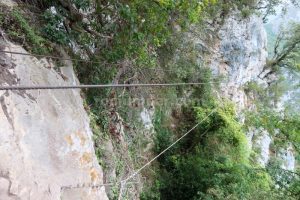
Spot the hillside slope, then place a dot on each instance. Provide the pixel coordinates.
(64, 144)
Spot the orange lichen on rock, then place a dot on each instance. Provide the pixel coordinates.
(69, 140)
(94, 174)
(86, 158)
(81, 137)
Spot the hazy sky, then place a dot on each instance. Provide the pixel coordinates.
(292, 97)
(292, 14)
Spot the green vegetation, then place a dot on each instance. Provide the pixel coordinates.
(267, 96)
(286, 50)
(54, 29)
(211, 163)
(285, 128)
(128, 39)
(18, 29)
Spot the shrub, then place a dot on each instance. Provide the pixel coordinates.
(54, 28)
(211, 162)
(21, 27)
(224, 130)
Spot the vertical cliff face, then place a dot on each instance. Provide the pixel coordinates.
(237, 51)
(46, 145)
(240, 55)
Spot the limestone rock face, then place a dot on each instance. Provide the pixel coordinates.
(239, 53)
(237, 50)
(9, 3)
(288, 158)
(260, 141)
(46, 146)
(240, 56)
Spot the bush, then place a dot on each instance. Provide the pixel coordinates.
(224, 130)
(283, 126)
(54, 28)
(213, 165)
(213, 161)
(20, 27)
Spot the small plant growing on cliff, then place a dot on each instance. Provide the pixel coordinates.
(35, 40)
(19, 30)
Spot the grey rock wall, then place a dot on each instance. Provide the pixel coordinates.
(240, 56)
(237, 50)
(46, 146)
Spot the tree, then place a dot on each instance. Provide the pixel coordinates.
(286, 53)
(269, 7)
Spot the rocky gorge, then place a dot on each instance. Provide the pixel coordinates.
(52, 148)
